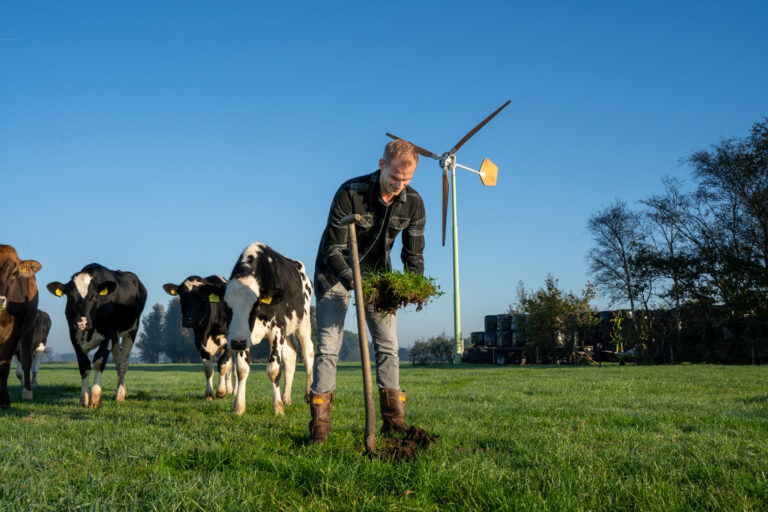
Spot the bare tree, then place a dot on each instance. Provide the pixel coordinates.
(618, 238)
(666, 215)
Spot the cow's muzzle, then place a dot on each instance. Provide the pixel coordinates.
(82, 324)
(238, 345)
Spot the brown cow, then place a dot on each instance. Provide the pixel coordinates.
(18, 307)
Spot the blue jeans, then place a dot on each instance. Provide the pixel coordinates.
(330, 313)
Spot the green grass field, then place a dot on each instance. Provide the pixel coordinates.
(511, 438)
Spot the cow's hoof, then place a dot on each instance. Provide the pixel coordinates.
(209, 398)
(85, 400)
(287, 401)
(26, 394)
(220, 393)
(95, 398)
(238, 409)
(278, 409)
(121, 394)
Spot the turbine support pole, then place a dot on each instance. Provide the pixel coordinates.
(456, 302)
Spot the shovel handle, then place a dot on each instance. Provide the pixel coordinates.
(350, 219)
(370, 411)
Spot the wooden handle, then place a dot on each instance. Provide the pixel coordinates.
(350, 219)
(370, 409)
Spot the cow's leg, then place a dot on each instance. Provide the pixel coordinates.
(289, 365)
(26, 365)
(96, 388)
(5, 369)
(243, 368)
(234, 381)
(274, 370)
(122, 359)
(84, 366)
(304, 333)
(208, 367)
(225, 373)
(99, 363)
(37, 358)
(19, 371)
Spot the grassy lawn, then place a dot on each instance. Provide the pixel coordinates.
(511, 438)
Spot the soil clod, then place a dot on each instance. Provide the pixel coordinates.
(405, 448)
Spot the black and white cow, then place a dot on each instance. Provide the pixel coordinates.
(102, 306)
(269, 297)
(37, 351)
(203, 310)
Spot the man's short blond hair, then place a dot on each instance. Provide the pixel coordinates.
(400, 150)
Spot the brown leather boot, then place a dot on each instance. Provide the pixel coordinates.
(320, 425)
(392, 405)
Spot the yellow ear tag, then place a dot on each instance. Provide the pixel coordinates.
(267, 300)
(104, 292)
(173, 292)
(213, 297)
(59, 293)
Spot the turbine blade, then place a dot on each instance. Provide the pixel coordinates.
(477, 128)
(445, 202)
(421, 151)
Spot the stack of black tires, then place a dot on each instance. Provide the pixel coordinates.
(500, 343)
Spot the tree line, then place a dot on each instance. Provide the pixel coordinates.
(689, 267)
(701, 255)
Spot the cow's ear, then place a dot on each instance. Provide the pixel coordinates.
(171, 289)
(55, 288)
(271, 297)
(29, 267)
(107, 287)
(215, 281)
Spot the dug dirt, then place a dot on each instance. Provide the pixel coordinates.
(406, 448)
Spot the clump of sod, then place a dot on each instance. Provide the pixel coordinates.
(388, 291)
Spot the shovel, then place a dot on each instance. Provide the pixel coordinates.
(370, 415)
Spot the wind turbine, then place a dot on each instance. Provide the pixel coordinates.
(488, 172)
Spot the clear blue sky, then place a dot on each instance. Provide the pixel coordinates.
(164, 137)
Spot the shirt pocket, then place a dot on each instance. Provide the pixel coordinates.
(366, 221)
(398, 224)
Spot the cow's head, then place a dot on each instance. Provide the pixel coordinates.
(11, 270)
(85, 295)
(248, 300)
(196, 296)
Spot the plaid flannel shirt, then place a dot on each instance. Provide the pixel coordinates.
(362, 195)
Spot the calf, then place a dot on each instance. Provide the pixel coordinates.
(18, 306)
(203, 311)
(269, 297)
(102, 306)
(37, 349)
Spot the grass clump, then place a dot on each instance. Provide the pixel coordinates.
(389, 291)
